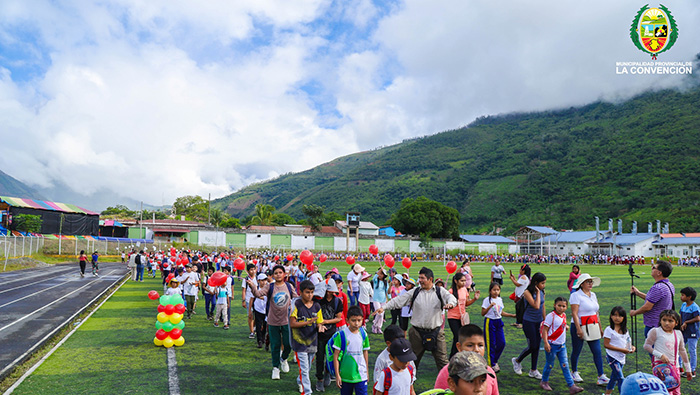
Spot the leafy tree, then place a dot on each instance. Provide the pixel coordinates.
(119, 211)
(192, 207)
(27, 223)
(330, 217)
(281, 219)
(149, 214)
(425, 217)
(230, 222)
(263, 214)
(216, 217)
(315, 214)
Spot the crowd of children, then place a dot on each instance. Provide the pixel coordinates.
(292, 309)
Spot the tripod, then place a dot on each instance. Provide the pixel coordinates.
(633, 306)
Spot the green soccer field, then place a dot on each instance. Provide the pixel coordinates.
(113, 351)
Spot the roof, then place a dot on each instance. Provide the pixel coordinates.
(679, 241)
(45, 205)
(163, 222)
(110, 222)
(572, 237)
(170, 230)
(628, 238)
(538, 229)
(672, 235)
(486, 239)
(294, 229)
(363, 225)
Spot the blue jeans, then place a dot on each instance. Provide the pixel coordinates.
(305, 359)
(691, 345)
(139, 272)
(558, 351)
(209, 304)
(577, 347)
(359, 388)
(352, 299)
(616, 377)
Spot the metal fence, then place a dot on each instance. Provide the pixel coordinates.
(19, 246)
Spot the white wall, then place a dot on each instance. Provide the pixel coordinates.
(414, 246)
(212, 238)
(454, 245)
(302, 242)
(384, 245)
(489, 248)
(339, 244)
(257, 240)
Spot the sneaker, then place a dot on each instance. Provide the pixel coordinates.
(575, 389)
(603, 380)
(327, 379)
(535, 374)
(284, 366)
(225, 326)
(216, 324)
(259, 345)
(517, 367)
(545, 386)
(577, 377)
(319, 386)
(496, 368)
(301, 389)
(275, 373)
(252, 335)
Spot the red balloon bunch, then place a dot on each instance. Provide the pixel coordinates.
(306, 257)
(451, 267)
(406, 262)
(389, 260)
(373, 249)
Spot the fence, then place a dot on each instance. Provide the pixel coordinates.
(19, 246)
(103, 247)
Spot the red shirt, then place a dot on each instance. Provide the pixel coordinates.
(344, 298)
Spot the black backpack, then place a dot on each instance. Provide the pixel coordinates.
(415, 295)
(137, 260)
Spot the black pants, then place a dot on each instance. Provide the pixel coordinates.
(82, 267)
(403, 323)
(455, 325)
(395, 314)
(532, 333)
(260, 326)
(321, 354)
(498, 280)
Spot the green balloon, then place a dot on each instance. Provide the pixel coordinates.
(180, 325)
(176, 299)
(168, 326)
(159, 325)
(164, 299)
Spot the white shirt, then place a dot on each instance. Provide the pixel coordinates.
(494, 312)
(189, 281)
(616, 340)
(400, 382)
(498, 271)
(229, 281)
(260, 304)
(524, 282)
(587, 305)
(383, 361)
(553, 321)
(366, 292)
(354, 281)
(316, 278)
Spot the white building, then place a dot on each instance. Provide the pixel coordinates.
(631, 244)
(572, 243)
(683, 246)
(365, 228)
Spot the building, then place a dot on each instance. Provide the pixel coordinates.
(489, 243)
(572, 243)
(56, 218)
(531, 240)
(678, 245)
(365, 228)
(630, 244)
(388, 231)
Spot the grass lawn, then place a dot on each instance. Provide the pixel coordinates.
(113, 352)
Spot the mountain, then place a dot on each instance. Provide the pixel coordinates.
(636, 160)
(10, 186)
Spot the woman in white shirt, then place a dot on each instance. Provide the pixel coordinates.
(585, 311)
(521, 284)
(354, 278)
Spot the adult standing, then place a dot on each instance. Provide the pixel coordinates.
(140, 258)
(497, 271)
(132, 264)
(427, 303)
(354, 278)
(532, 318)
(82, 260)
(585, 325)
(521, 284)
(455, 315)
(658, 298)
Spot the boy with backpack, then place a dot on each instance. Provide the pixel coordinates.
(351, 354)
(279, 297)
(332, 311)
(305, 322)
(397, 378)
(391, 333)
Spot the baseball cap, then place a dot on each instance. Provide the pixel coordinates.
(262, 276)
(642, 384)
(468, 365)
(337, 277)
(320, 290)
(401, 349)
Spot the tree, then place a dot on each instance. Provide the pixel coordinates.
(425, 217)
(192, 207)
(230, 222)
(281, 219)
(119, 211)
(330, 218)
(263, 214)
(27, 223)
(216, 217)
(315, 214)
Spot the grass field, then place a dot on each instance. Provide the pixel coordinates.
(113, 351)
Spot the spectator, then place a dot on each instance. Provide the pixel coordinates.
(658, 298)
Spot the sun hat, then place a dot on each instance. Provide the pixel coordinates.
(262, 276)
(583, 277)
(468, 365)
(358, 268)
(365, 275)
(410, 280)
(398, 277)
(320, 289)
(401, 349)
(642, 384)
(331, 286)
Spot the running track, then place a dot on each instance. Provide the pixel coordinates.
(36, 303)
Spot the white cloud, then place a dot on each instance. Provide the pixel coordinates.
(184, 99)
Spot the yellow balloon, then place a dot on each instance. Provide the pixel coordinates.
(168, 342)
(157, 341)
(179, 341)
(162, 317)
(175, 318)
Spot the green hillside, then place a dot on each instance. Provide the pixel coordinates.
(10, 186)
(637, 160)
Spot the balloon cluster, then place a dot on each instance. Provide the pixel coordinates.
(307, 258)
(169, 322)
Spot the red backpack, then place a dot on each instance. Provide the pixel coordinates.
(388, 377)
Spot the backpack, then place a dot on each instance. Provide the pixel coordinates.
(415, 295)
(343, 346)
(269, 294)
(388, 377)
(137, 259)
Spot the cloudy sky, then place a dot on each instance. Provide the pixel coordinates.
(151, 100)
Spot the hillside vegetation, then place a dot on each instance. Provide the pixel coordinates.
(638, 160)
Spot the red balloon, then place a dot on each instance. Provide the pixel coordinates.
(161, 334)
(255, 261)
(217, 279)
(373, 249)
(310, 267)
(290, 257)
(180, 308)
(350, 259)
(322, 258)
(153, 295)
(175, 333)
(389, 260)
(406, 262)
(277, 257)
(306, 257)
(161, 308)
(239, 264)
(451, 267)
(241, 256)
(169, 309)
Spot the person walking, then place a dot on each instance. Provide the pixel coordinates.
(140, 258)
(458, 316)
(427, 303)
(82, 260)
(532, 317)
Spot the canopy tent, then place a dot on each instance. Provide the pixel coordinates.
(57, 218)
